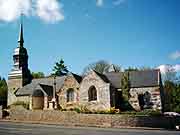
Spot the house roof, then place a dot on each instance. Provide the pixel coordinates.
(44, 83)
(31, 88)
(115, 78)
(146, 78)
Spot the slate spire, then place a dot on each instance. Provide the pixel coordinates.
(21, 39)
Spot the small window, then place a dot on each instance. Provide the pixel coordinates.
(92, 93)
(70, 95)
(16, 60)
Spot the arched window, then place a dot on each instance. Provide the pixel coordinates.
(70, 95)
(92, 93)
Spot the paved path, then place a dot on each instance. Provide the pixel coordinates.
(10, 128)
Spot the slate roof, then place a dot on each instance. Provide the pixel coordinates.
(47, 89)
(50, 81)
(31, 88)
(115, 78)
(137, 78)
(77, 77)
(144, 78)
(44, 83)
(103, 77)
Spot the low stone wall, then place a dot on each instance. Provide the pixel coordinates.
(1, 113)
(94, 120)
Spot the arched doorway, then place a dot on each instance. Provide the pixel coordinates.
(38, 99)
(141, 101)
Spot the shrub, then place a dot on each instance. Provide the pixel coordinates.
(150, 113)
(145, 113)
(129, 113)
(77, 110)
(155, 113)
(112, 110)
(84, 109)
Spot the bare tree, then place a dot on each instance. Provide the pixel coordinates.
(100, 67)
(170, 75)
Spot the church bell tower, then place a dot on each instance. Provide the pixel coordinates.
(20, 74)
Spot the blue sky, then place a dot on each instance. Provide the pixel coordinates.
(124, 32)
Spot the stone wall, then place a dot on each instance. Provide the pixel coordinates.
(1, 112)
(94, 120)
(12, 98)
(13, 85)
(152, 97)
(103, 92)
(25, 99)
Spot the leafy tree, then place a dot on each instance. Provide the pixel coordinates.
(60, 69)
(172, 96)
(125, 85)
(3, 92)
(100, 67)
(168, 87)
(36, 75)
(175, 99)
(177, 79)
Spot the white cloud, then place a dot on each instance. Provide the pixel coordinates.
(166, 68)
(175, 55)
(47, 10)
(10, 10)
(177, 68)
(118, 2)
(99, 3)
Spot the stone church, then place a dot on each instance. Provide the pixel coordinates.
(95, 91)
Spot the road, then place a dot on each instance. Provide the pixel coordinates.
(10, 128)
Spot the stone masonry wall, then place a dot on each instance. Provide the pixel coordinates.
(103, 93)
(69, 83)
(25, 99)
(153, 95)
(13, 85)
(94, 120)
